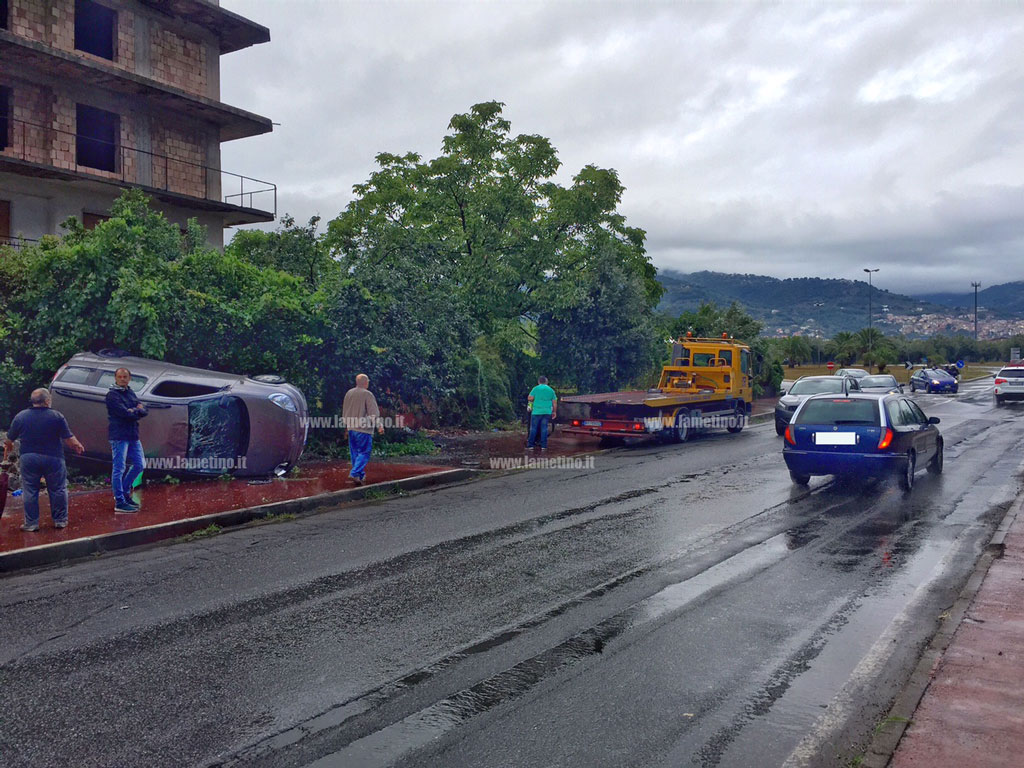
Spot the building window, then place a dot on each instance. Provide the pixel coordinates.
(97, 134)
(95, 28)
(5, 117)
(4, 24)
(90, 220)
(5, 222)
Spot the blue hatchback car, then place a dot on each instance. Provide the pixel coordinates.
(862, 435)
(933, 380)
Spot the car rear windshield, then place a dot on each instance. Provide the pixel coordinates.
(1011, 373)
(833, 384)
(878, 381)
(839, 411)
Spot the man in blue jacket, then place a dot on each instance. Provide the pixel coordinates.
(124, 411)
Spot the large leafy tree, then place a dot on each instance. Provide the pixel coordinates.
(511, 247)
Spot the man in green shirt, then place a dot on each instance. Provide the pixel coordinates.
(543, 408)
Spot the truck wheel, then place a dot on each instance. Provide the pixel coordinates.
(681, 430)
(739, 416)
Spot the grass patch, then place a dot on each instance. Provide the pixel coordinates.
(378, 494)
(391, 443)
(204, 533)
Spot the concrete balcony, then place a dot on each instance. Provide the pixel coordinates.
(44, 152)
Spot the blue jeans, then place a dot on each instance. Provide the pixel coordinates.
(35, 466)
(359, 446)
(538, 430)
(121, 477)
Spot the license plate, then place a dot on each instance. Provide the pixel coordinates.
(591, 423)
(835, 438)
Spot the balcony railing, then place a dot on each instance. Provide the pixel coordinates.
(63, 150)
(16, 243)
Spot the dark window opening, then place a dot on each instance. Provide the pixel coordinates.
(4, 24)
(5, 117)
(5, 221)
(90, 220)
(183, 389)
(98, 131)
(95, 28)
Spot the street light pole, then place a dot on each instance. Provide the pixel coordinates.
(869, 271)
(821, 331)
(976, 286)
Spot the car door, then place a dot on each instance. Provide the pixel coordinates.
(929, 433)
(916, 432)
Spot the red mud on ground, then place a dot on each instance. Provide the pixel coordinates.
(91, 512)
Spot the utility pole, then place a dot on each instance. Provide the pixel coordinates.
(976, 286)
(869, 271)
(821, 331)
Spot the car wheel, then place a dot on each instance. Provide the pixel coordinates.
(913, 387)
(780, 428)
(681, 430)
(999, 402)
(928, 389)
(935, 465)
(907, 478)
(738, 417)
(799, 479)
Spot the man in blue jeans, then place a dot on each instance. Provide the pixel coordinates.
(123, 412)
(543, 408)
(360, 414)
(41, 431)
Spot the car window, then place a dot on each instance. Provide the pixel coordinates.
(854, 385)
(744, 361)
(75, 375)
(703, 359)
(918, 413)
(107, 381)
(895, 413)
(909, 417)
(831, 385)
(839, 411)
(725, 354)
(1011, 373)
(878, 381)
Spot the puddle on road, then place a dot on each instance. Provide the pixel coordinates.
(385, 746)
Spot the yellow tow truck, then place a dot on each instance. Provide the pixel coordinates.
(708, 385)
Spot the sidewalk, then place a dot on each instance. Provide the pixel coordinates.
(171, 510)
(972, 713)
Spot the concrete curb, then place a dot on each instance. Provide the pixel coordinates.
(891, 730)
(48, 554)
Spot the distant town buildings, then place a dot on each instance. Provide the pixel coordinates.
(96, 97)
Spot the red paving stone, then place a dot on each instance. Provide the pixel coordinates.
(972, 714)
(91, 512)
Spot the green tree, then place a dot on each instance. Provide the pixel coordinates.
(796, 349)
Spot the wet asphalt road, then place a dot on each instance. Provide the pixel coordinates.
(673, 606)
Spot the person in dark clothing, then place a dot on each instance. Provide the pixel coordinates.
(42, 431)
(123, 412)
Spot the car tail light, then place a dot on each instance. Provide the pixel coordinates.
(789, 435)
(1000, 381)
(575, 422)
(638, 427)
(886, 439)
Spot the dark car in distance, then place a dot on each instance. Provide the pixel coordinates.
(933, 380)
(200, 422)
(880, 384)
(862, 435)
(803, 388)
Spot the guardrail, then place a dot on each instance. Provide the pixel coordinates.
(16, 242)
(113, 161)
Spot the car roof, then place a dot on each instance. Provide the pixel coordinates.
(853, 396)
(816, 376)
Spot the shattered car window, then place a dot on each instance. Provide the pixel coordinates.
(218, 430)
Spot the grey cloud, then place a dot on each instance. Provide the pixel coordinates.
(785, 139)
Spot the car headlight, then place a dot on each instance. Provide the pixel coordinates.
(281, 400)
(935, 381)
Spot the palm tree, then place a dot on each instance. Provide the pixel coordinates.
(843, 347)
(796, 349)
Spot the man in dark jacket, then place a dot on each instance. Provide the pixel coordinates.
(124, 411)
(41, 431)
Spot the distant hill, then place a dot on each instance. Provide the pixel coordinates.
(1005, 297)
(788, 306)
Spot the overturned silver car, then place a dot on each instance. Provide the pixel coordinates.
(200, 422)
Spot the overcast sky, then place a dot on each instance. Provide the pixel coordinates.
(786, 139)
